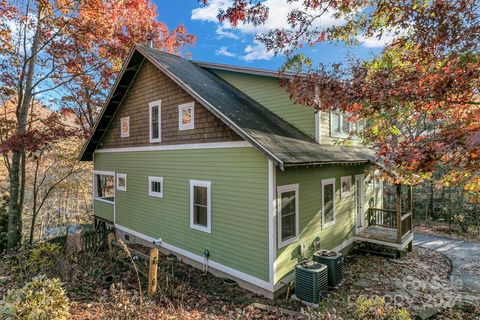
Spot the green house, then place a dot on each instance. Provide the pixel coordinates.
(216, 165)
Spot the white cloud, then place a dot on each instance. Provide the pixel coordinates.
(210, 11)
(223, 33)
(277, 17)
(223, 51)
(257, 51)
(380, 42)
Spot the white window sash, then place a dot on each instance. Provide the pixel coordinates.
(124, 134)
(152, 193)
(120, 176)
(181, 108)
(347, 179)
(206, 184)
(95, 185)
(281, 190)
(151, 105)
(327, 182)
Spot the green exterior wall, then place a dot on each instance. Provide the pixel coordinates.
(310, 215)
(239, 200)
(103, 210)
(267, 91)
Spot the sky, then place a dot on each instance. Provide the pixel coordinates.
(221, 43)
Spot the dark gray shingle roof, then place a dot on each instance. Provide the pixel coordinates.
(277, 139)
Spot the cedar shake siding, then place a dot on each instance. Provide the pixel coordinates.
(150, 85)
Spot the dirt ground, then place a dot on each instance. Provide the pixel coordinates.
(420, 280)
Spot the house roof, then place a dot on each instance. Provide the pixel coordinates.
(277, 139)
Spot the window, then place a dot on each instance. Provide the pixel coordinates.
(186, 116)
(155, 121)
(200, 205)
(125, 127)
(288, 224)
(346, 186)
(155, 187)
(121, 181)
(328, 202)
(104, 186)
(342, 128)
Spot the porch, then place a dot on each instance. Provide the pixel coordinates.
(389, 227)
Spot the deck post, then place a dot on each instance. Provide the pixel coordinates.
(410, 205)
(399, 212)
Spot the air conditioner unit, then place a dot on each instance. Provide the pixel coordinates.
(334, 262)
(311, 281)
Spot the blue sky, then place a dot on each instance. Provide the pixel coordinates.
(222, 44)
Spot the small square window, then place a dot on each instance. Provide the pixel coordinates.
(346, 186)
(121, 181)
(125, 127)
(186, 116)
(155, 187)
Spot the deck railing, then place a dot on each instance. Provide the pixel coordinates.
(382, 217)
(387, 218)
(406, 223)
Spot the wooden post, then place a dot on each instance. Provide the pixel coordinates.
(410, 204)
(399, 212)
(111, 249)
(152, 272)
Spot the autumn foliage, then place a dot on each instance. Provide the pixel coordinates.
(419, 97)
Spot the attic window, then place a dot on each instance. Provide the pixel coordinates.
(155, 121)
(125, 127)
(340, 127)
(186, 116)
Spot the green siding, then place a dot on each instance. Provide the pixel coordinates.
(310, 195)
(103, 210)
(239, 199)
(267, 91)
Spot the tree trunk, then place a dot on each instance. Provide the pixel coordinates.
(17, 183)
(14, 234)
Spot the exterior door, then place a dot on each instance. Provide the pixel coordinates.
(359, 201)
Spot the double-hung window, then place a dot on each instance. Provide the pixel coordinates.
(200, 205)
(328, 202)
(155, 121)
(346, 186)
(288, 219)
(104, 186)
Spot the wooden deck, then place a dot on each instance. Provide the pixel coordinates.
(385, 236)
(387, 228)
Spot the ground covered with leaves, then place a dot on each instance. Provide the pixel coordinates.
(443, 229)
(97, 288)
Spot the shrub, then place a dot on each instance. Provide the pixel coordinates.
(43, 256)
(39, 299)
(377, 309)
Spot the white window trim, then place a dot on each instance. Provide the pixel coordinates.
(343, 192)
(341, 134)
(106, 173)
(124, 176)
(181, 126)
(280, 190)
(126, 134)
(324, 183)
(150, 107)
(152, 193)
(207, 184)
